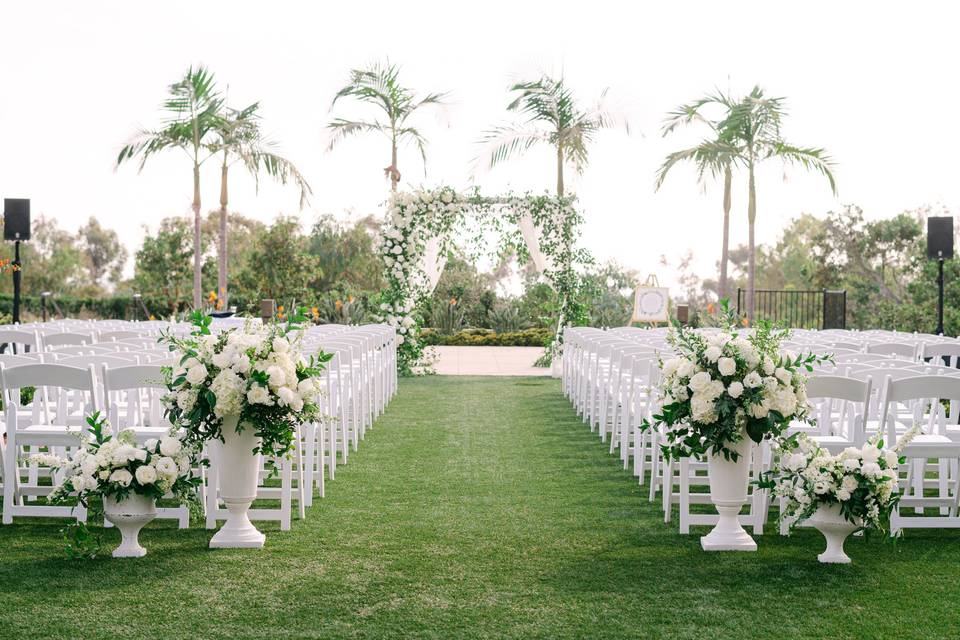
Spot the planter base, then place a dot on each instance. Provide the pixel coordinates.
(728, 535)
(129, 516)
(238, 532)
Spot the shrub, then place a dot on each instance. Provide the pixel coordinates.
(537, 337)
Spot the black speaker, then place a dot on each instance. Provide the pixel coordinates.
(16, 219)
(940, 237)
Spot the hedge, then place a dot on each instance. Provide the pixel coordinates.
(487, 338)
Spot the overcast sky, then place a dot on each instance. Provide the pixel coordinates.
(875, 83)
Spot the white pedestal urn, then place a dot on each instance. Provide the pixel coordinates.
(728, 492)
(556, 366)
(238, 472)
(835, 528)
(129, 516)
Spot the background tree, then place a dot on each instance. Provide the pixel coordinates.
(239, 138)
(162, 264)
(279, 266)
(105, 254)
(380, 86)
(346, 254)
(554, 118)
(713, 157)
(752, 127)
(192, 106)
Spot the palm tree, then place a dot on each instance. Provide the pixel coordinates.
(192, 106)
(752, 127)
(380, 86)
(568, 129)
(711, 156)
(240, 139)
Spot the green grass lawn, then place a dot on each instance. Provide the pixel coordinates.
(479, 507)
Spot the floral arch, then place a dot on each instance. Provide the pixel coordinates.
(420, 229)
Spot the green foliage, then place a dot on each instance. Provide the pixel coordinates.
(346, 255)
(537, 337)
(448, 318)
(80, 543)
(280, 266)
(164, 265)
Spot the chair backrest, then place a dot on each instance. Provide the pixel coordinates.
(925, 393)
(107, 336)
(894, 349)
(52, 340)
(844, 404)
(64, 395)
(133, 395)
(98, 360)
(19, 340)
(947, 353)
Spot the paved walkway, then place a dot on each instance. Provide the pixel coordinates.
(489, 361)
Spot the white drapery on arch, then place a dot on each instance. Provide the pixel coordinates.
(531, 237)
(432, 263)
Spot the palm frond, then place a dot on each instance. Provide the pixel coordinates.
(341, 129)
(500, 143)
(809, 158)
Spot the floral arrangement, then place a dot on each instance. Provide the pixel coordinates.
(863, 481)
(117, 466)
(414, 218)
(254, 372)
(725, 385)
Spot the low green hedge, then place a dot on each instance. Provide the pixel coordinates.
(487, 338)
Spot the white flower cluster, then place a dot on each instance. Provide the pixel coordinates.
(718, 368)
(118, 463)
(252, 366)
(863, 480)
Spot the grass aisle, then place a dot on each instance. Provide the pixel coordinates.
(479, 507)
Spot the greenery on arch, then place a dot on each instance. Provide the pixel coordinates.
(440, 215)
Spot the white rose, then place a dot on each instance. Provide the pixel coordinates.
(280, 345)
(89, 466)
(151, 444)
(259, 394)
(891, 458)
(727, 366)
(753, 380)
(121, 477)
(170, 446)
(146, 474)
(871, 470)
(242, 365)
(685, 369)
(699, 381)
(277, 377)
(735, 390)
(307, 388)
(712, 354)
(286, 395)
(167, 468)
(783, 375)
(870, 454)
(768, 366)
(197, 374)
(670, 366)
(223, 359)
(843, 495)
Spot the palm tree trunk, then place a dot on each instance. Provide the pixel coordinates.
(393, 165)
(559, 170)
(222, 258)
(751, 246)
(196, 238)
(725, 250)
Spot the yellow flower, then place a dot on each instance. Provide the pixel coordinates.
(338, 305)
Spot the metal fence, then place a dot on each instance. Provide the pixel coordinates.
(816, 309)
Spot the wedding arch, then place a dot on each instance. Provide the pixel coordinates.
(420, 229)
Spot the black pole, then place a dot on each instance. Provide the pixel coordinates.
(939, 331)
(43, 305)
(16, 282)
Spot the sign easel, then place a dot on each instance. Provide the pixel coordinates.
(651, 302)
